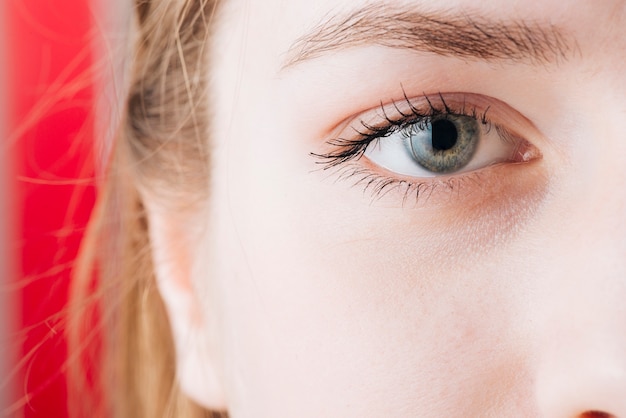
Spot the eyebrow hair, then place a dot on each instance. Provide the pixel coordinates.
(447, 34)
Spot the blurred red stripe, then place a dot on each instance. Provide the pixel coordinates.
(51, 121)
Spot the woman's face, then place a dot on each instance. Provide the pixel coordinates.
(417, 209)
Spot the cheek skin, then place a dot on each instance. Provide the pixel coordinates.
(353, 308)
(434, 310)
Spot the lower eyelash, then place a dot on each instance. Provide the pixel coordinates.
(380, 185)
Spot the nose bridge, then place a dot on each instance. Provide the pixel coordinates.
(596, 214)
(582, 352)
(591, 242)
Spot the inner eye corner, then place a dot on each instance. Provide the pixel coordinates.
(528, 152)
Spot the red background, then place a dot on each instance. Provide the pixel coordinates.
(50, 118)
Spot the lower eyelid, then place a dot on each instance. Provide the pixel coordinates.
(379, 184)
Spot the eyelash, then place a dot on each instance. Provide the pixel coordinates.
(346, 151)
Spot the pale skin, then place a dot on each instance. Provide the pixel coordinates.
(500, 293)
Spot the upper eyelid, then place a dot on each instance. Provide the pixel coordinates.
(432, 105)
(412, 114)
(487, 109)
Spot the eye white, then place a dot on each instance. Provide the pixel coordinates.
(392, 153)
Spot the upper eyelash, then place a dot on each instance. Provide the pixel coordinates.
(353, 149)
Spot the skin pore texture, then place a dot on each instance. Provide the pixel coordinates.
(496, 292)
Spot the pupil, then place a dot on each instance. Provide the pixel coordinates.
(444, 135)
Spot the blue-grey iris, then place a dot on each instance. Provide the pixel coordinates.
(445, 144)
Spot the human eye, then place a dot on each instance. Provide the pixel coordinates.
(417, 145)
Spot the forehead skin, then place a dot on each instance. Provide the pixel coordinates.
(331, 305)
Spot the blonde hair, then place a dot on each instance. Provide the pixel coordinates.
(163, 147)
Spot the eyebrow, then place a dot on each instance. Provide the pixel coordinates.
(458, 35)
